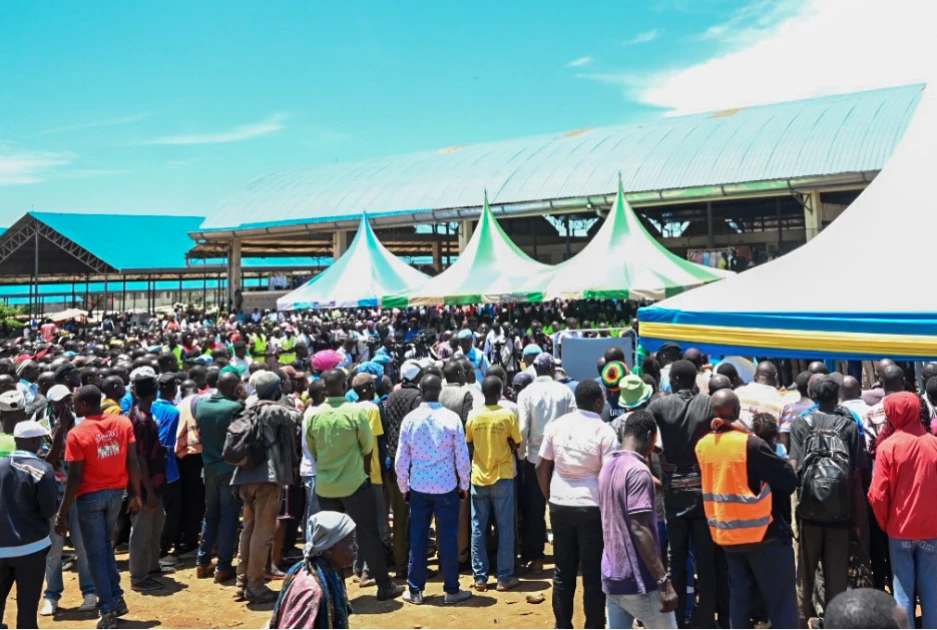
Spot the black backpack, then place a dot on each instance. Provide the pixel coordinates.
(824, 473)
(244, 444)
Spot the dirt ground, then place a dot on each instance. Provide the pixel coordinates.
(192, 603)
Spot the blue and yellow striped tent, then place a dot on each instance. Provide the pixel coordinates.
(860, 290)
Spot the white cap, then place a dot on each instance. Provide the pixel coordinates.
(12, 400)
(410, 369)
(29, 429)
(142, 373)
(58, 393)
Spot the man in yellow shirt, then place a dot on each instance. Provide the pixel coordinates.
(495, 433)
(364, 387)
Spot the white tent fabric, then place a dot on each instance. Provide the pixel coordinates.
(365, 272)
(858, 289)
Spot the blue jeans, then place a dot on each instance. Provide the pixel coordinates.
(446, 508)
(312, 502)
(54, 584)
(624, 609)
(497, 498)
(97, 517)
(768, 570)
(914, 565)
(221, 521)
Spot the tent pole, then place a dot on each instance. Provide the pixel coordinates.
(709, 225)
(36, 264)
(568, 251)
(104, 312)
(123, 297)
(777, 205)
(204, 289)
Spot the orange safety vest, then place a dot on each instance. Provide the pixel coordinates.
(736, 516)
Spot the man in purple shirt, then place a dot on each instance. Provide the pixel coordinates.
(634, 579)
(433, 472)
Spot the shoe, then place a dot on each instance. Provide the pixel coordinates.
(49, 608)
(413, 597)
(121, 607)
(455, 598)
(224, 576)
(431, 573)
(204, 572)
(149, 584)
(507, 586)
(261, 596)
(480, 586)
(536, 566)
(108, 620)
(391, 592)
(90, 604)
(163, 570)
(239, 592)
(367, 581)
(168, 561)
(274, 574)
(401, 575)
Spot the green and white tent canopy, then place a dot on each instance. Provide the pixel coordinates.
(365, 272)
(623, 261)
(492, 269)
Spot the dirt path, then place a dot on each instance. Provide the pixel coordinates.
(193, 603)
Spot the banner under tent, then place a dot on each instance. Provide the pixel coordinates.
(858, 290)
(364, 273)
(491, 269)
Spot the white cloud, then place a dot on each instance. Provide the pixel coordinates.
(242, 132)
(643, 38)
(578, 62)
(815, 48)
(29, 167)
(95, 124)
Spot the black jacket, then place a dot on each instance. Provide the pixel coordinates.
(396, 408)
(28, 500)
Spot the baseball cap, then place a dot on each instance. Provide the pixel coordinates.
(667, 346)
(12, 401)
(29, 429)
(465, 333)
(143, 373)
(410, 370)
(532, 349)
(264, 381)
(361, 379)
(521, 379)
(58, 393)
(544, 361)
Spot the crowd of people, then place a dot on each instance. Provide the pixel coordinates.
(379, 439)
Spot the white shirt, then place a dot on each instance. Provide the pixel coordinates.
(541, 402)
(307, 467)
(578, 443)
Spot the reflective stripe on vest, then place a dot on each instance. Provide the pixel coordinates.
(735, 515)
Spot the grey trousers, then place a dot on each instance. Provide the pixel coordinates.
(146, 527)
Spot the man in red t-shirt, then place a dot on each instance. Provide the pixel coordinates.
(101, 464)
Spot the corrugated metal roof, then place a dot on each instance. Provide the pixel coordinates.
(127, 241)
(848, 133)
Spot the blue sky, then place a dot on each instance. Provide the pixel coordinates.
(167, 107)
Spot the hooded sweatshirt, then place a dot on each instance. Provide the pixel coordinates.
(904, 480)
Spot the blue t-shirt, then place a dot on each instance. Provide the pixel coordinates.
(166, 417)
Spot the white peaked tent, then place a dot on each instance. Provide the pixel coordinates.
(491, 269)
(860, 289)
(365, 272)
(623, 261)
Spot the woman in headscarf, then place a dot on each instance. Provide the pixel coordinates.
(313, 595)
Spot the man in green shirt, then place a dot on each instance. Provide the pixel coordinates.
(213, 415)
(340, 439)
(12, 412)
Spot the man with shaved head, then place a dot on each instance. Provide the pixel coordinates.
(892, 379)
(850, 397)
(747, 491)
(717, 382)
(762, 396)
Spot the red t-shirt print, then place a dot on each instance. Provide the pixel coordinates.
(101, 442)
